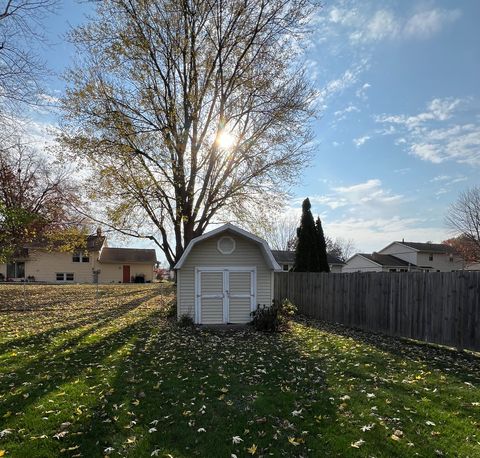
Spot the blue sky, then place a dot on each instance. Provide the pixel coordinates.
(398, 135)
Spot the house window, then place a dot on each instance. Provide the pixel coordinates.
(285, 267)
(451, 258)
(80, 257)
(430, 257)
(64, 276)
(392, 270)
(16, 270)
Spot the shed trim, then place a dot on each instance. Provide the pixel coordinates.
(270, 260)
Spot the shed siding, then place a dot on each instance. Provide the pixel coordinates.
(206, 254)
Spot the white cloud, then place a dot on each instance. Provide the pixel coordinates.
(358, 197)
(428, 136)
(361, 140)
(369, 25)
(426, 23)
(342, 114)
(361, 93)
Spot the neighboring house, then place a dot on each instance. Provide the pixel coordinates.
(407, 257)
(375, 262)
(223, 275)
(111, 265)
(473, 266)
(428, 257)
(286, 259)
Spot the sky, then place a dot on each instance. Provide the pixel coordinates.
(398, 131)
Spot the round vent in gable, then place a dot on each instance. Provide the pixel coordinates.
(226, 245)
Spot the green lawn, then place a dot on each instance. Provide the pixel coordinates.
(116, 378)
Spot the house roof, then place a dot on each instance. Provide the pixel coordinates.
(288, 257)
(93, 243)
(385, 260)
(267, 253)
(127, 255)
(428, 247)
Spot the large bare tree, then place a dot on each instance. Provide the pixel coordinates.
(21, 69)
(463, 216)
(188, 112)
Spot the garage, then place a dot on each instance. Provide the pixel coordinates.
(224, 275)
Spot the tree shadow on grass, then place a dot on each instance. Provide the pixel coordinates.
(66, 362)
(199, 389)
(461, 365)
(97, 317)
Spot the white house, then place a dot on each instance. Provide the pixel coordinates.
(431, 257)
(286, 259)
(375, 262)
(96, 262)
(223, 276)
(407, 257)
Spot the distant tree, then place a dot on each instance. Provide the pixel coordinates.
(464, 247)
(341, 248)
(21, 70)
(306, 252)
(321, 247)
(463, 216)
(188, 112)
(280, 231)
(35, 198)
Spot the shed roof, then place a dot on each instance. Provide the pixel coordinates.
(127, 255)
(267, 253)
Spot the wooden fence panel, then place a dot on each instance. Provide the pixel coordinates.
(435, 307)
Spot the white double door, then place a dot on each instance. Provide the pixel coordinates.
(225, 294)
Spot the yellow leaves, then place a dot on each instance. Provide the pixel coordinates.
(296, 442)
(252, 450)
(136, 402)
(357, 444)
(78, 411)
(2, 452)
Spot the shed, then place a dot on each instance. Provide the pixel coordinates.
(223, 276)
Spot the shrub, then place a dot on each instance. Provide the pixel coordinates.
(171, 309)
(185, 321)
(274, 317)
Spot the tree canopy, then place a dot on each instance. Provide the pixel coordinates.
(188, 112)
(35, 198)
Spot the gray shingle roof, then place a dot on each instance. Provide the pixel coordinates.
(428, 247)
(128, 255)
(386, 260)
(288, 257)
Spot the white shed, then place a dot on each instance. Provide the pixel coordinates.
(223, 276)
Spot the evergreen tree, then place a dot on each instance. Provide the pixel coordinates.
(321, 247)
(306, 252)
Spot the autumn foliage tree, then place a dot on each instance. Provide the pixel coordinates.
(34, 199)
(463, 217)
(188, 112)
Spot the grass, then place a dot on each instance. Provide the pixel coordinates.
(116, 378)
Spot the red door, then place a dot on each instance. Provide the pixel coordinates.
(126, 274)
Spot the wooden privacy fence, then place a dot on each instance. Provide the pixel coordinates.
(441, 308)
